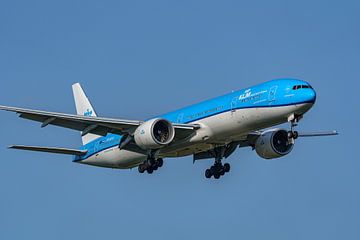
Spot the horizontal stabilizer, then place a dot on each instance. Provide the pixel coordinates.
(51, 150)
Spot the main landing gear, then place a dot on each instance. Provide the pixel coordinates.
(151, 165)
(218, 169)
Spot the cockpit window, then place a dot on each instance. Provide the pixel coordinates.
(296, 87)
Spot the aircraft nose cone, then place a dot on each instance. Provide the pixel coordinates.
(311, 96)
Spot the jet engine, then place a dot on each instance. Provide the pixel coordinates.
(273, 144)
(154, 134)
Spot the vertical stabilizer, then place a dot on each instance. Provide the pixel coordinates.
(84, 108)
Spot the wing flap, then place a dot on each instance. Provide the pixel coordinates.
(65, 151)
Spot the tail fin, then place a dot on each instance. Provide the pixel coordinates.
(84, 108)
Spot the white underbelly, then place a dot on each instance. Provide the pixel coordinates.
(115, 158)
(230, 125)
(233, 126)
(219, 129)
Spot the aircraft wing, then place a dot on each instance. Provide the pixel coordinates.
(95, 125)
(250, 139)
(51, 150)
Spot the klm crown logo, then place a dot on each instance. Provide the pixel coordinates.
(88, 113)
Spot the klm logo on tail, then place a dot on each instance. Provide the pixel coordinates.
(88, 113)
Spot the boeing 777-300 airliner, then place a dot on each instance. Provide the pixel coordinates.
(212, 129)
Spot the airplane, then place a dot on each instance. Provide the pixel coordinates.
(212, 129)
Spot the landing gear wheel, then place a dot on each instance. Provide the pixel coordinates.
(213, 170)
(226, 167)
(160, 162)
(222, 172)
(296, 135)
(151, 162)
(208, 173)
(142, 168)
(293, 135)
(150, 170)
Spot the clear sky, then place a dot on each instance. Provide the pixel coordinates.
(138, 59)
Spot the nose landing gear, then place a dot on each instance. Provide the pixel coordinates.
(294, 120)
(293, 135)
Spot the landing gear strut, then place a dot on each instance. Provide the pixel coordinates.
(218, 169)
(151, 165)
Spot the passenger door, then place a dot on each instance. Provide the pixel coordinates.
(97, 148)
(272, 94)
(180, 118)
(234, 104)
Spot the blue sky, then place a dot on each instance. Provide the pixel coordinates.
(138, 59)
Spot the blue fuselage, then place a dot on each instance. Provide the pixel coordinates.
(271, 94)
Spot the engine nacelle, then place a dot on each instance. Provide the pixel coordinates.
(154, 134)
(273, 144)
